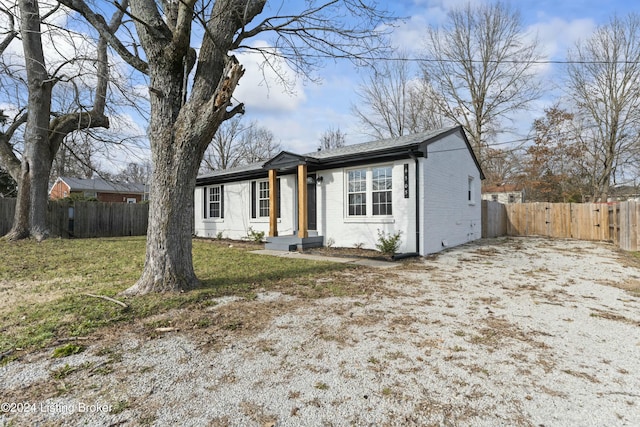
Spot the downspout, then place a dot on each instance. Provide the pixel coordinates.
(417, 196)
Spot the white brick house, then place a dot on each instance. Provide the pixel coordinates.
(426, 186)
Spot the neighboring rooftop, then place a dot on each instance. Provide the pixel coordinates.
(102, 185)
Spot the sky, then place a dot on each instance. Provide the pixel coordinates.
(298, 117)
(298, 120)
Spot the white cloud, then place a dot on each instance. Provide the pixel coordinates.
(263, 85)
(556, 35)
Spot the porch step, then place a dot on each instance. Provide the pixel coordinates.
(293, 243)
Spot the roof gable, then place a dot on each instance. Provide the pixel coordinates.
(287, 160)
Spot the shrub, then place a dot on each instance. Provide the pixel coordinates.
(388, 244)
(255, 236)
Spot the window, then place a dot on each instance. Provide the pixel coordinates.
(494, 197)
(357, 192)
(512, 198)
(260, 199)
(214, 201)
(263, 198)
(381, 191)
(470, 190)
(369, 192)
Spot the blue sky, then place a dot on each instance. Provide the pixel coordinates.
(298, 120)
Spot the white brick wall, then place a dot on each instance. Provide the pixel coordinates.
(449, 218)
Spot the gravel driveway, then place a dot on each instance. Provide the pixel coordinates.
(513, 332)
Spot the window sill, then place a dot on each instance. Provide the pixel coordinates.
(264, 220)
(369, 220)
(212, 220)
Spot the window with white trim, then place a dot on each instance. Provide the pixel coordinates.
(357, 192)
(470, 195)
(260, 199)
(263, 198)
(370, 192)
(381, 186)
(214, 201)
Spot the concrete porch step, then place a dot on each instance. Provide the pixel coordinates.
(293, 243)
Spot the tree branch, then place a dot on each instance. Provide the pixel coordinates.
(102, 27)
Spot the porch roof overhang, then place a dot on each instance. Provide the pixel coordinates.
(287, 161)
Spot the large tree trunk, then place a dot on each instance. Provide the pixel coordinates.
(31, 209)
(168, 264)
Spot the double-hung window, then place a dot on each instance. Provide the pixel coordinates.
(381, 191)
(357, 192)
(370, 192)
(260, 199)
(263, 198)
(214, 201)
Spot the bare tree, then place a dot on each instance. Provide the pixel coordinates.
(482, 65)
(604, 83)
(236, 144)
(332, 138)
(44, 132)
(223, 153)
(394, 103)
(184, 118)
(139, 173)
(257, 145)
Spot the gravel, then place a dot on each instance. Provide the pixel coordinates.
(513, 332)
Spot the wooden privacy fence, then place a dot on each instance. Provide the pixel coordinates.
(86, 219)
(614, 222)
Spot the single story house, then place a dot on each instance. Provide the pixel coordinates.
(505, 193)
(425, 186)
(100, 189)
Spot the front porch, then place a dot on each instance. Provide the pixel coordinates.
(306, 236)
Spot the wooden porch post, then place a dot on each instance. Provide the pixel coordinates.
(273, 204)
(302, 202)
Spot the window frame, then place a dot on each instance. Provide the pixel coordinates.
(255, 200)
(207, 202)
(369, 206)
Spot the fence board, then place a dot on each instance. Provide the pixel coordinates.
(86, 219)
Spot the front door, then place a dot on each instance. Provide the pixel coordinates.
(312, 223)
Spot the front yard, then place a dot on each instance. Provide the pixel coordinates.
(499, 332)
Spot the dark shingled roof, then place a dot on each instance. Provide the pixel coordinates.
(103, 186)
(363, 150)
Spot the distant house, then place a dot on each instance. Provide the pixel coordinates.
(425, 186)
(506, 193)
(100, 189)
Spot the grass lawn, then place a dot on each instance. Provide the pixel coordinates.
(44, 286)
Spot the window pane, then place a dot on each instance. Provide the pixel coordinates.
(357, 204)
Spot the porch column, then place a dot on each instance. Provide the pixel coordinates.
(273, 204)
(302, 202)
